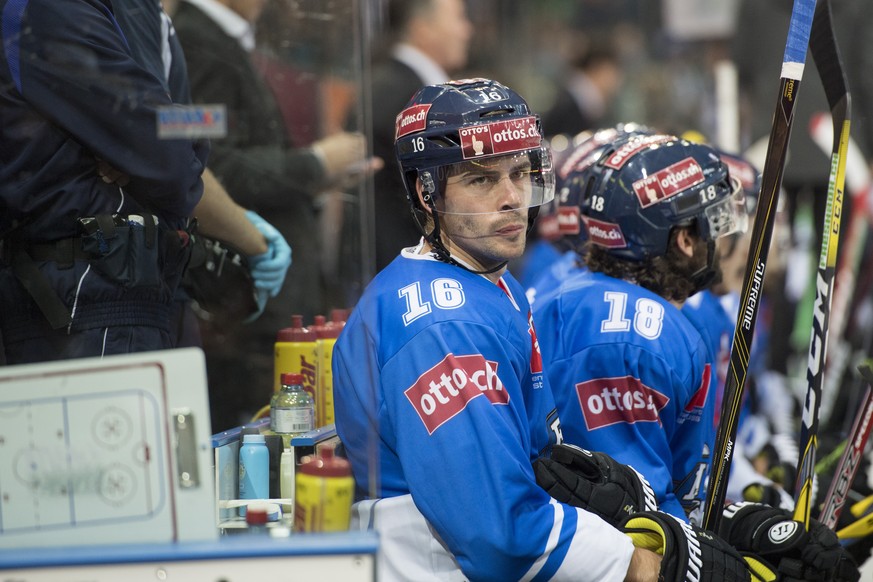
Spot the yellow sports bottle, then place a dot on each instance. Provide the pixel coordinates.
(295, 351)
(323, 493)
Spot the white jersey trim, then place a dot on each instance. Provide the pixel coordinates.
(410, 549)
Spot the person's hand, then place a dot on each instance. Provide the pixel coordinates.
(345, 160)
(110, 175)
(594, 481)
(771, 540)
(269, 269)
(689, 553)
(645, 566)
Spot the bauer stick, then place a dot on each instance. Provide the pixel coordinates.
(850, 460)
(827, 60)
(793, 61)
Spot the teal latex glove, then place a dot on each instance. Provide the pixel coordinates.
(269, 269)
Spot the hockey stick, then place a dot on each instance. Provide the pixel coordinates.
(851, 457)
(793, 61)
(827, 59)
(860, 186)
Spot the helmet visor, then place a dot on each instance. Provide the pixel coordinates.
(729, 215)
(498, 184)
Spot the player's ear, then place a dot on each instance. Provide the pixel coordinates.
(685, 241)
(419, 191)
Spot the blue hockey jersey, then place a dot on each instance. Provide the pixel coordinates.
(439, 392)
(631, 378)
(549, 280)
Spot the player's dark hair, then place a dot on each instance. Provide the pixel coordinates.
(669, 276)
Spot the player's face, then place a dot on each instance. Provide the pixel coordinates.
(484, 210)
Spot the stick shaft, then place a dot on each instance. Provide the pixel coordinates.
(828, 63)
(850, 460)
(771, 182)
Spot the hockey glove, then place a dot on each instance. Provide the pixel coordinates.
(219, 281)
(689, 553)
(771, 541)
(269, 269)
(768, 494)
(594, 481)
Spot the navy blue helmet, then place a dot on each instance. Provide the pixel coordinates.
(643, 186)
(464, 121)
(585, 149)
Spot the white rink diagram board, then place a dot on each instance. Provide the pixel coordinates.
(74, 460)
(89, 451)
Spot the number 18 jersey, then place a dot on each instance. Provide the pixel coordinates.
(631, 377)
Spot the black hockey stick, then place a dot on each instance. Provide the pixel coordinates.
(827, 60)
(789, 84)
(851, 457)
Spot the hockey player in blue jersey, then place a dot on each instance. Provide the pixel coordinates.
(440, 397)
(630, 374)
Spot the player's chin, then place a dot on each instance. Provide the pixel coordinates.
(509, 247)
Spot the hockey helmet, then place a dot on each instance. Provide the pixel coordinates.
(571, 177)
(643, 186)
(467, 122)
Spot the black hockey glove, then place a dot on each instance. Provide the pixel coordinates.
(219, 281)
(594, 481)
(689, 553)
(772, 541)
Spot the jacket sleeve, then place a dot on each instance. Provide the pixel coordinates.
(72, 64)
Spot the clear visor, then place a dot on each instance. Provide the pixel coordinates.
(729, 215)
(498, 184)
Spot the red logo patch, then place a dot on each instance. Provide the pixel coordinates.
(622, 155)
(740, 170)
(446, 389)
(668, 182)
(607, 401)
(499, 137)
(410, 120)
(536, 357)
(568, 220)
(605, 234)
(699, 398)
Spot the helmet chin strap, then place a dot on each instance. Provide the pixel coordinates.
(443, 254)
(706, 275)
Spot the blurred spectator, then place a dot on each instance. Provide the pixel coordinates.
(587, 89)
(261, 171)
(428, 42)
(219, 292)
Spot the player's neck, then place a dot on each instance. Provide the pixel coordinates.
(465, 261)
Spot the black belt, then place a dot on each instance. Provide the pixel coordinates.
(63, 251)
(22, 257)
